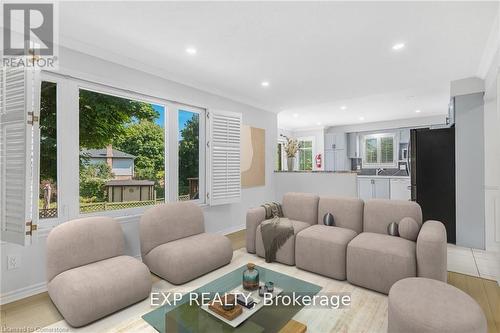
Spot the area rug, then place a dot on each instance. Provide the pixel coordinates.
(367, 313)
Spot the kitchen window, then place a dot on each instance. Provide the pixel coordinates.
(305, 154)
(379, 151)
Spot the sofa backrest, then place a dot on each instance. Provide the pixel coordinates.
(301, 207)
(168, 222)
(83, 241)
(347, 212)
(379, 213)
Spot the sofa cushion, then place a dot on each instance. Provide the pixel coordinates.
(301, 207)
(379, 213)
(168, 222)
(286, 254)
(322, 249)
(82, 241)
(408, 228)
(87, 293)
(347, 212)
(377, 261)
(185, 259)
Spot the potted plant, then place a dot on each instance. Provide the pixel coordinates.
(291, 148)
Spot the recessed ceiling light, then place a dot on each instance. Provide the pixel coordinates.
(361, 118)
(191, 50)
(418, 111)
(318, 123)
(398, 46)
(295, 115)
(264, 84)
(343, 107)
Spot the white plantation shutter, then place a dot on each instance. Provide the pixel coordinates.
(224, 157)
(17, 111)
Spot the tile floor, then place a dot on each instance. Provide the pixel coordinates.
(474, 262)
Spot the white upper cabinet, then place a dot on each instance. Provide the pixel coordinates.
(404, 135)
(352, 145)
(335, 141)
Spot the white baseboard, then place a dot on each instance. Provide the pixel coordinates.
(18, 294)
(231, 229)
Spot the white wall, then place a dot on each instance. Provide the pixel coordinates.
(391, 124)
(322, 183)
(492, 155)
(30, 277)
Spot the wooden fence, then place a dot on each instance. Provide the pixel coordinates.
(47, 213)
(102, 206)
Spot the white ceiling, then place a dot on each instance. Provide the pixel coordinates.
(316, 56)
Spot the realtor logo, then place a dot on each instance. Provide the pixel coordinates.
(28, 33)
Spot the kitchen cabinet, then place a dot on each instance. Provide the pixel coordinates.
(404, 135)
(374, 188)
(400, 189)
(329, 160)
(365, 188)
(335, 141)
(340, 160)
(353, 145)
(335, 160)
(381, 189)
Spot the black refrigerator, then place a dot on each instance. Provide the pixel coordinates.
(432, 170)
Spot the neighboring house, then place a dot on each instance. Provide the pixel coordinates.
(121, 164)
(130, 190)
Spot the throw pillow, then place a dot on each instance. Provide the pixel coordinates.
(409, 228)
(392, 229)
(329, 220)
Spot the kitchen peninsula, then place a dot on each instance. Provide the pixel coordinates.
(343, 183)
(331, 183)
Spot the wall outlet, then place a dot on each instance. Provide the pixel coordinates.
(13, 261)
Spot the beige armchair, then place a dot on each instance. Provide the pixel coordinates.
(88, 274)
(174, 244)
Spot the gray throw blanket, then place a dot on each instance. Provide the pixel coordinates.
(273, 209)
(274, 232)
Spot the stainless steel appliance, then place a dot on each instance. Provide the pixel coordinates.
(432, 171)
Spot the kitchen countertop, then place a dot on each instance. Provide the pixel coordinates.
(316, 171)
(346, 173)
(383, 177)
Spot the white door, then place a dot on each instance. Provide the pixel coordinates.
(340, 160)
(365, 188)
(400, 189)
(382, 189)
(329, 141)
(329, 160)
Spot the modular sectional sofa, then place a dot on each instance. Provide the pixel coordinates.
(175, 246)
(358, 247)
(88, 274)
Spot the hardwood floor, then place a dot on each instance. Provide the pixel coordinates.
(485, 292)
(39, 311)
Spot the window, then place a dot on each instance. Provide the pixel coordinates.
(305, 154)
(47, 201)
(122, 140)
(379, 151)
(190, 154)
(122, 152)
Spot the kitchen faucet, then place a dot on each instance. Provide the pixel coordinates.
(379, 171)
